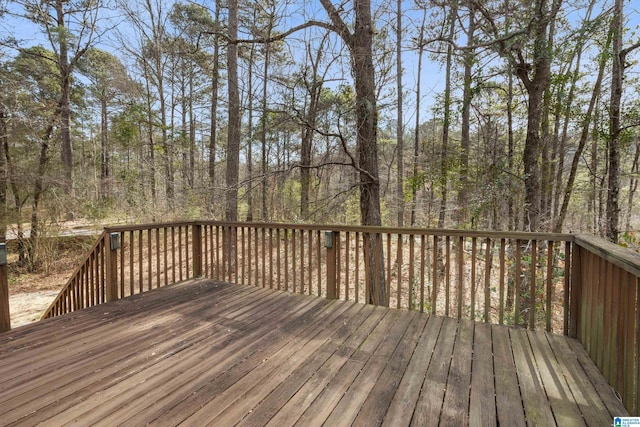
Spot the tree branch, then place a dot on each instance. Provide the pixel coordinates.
(287, 33)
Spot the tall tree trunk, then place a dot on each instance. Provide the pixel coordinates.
(613, 206)
(263, 133)
(104, 149)
(233, 135)
(360, 44)
(213, 126)
(400, 122)
(444, 170)
(4, 142)
(192, 133)
(250, 134)
(65, 99)
(536, 87)
(150, 129)
(465, 141)
(314, 88)
(633, 184)
(416, 144)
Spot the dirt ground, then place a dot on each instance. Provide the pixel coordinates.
(31, 293)
(28, 307)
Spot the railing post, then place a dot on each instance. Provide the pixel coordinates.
(5, 316)
(576, 290)
(111, 258)
(197, 249)
(331, 243)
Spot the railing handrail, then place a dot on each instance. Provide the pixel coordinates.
(615, 254)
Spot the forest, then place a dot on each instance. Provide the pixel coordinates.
(492, 115)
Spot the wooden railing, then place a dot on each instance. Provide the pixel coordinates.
(130, 260)
(574, 285)
(606, 304)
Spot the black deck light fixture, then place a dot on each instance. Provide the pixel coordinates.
(115, 241)
(328, 239)
(3, 254)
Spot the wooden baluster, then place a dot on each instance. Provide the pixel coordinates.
(278, 260)
(435, 277)
(243, 271)
(150, 260)
(460, 274)
(165, 255)
(347, 262)
(357, 269)
(533, 288)
(263, 280)
(302, 261)
(270, 231)
(258, 282)
(549, 293)
(286, 260)
(474, 260)
(388, 270)
(173, 254)
(447, 283)
(503, 245)
(319, 263)
(517, 290)
(412, 243)
(157, 235)
(131, 263)
(487, 278)
(568, 274)
(309, 260)
(399, 272)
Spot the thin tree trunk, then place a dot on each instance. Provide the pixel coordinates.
(465, 140)
(65, 100)
(263, 133)
(400, 123)
(213, 128)
(4, 142)
(633, 184)
(233, 137)
(416, 144)
(443, 183)
(613, 207)
(250, 135)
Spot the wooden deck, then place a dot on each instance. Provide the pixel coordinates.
(210, 353)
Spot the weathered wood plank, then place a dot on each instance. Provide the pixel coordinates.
(455, 409)
(482, 400)
(587, 398)
(308, 393)
(320, 361)
(186, 366)
(323, 405)
(536, 406)
(565, 410)
(374, 408)
(508, 401)
(429, 405)
(407, 393)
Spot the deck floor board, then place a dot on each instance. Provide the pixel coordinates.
(209, 353)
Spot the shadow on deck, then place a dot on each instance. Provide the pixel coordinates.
(205, 352)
